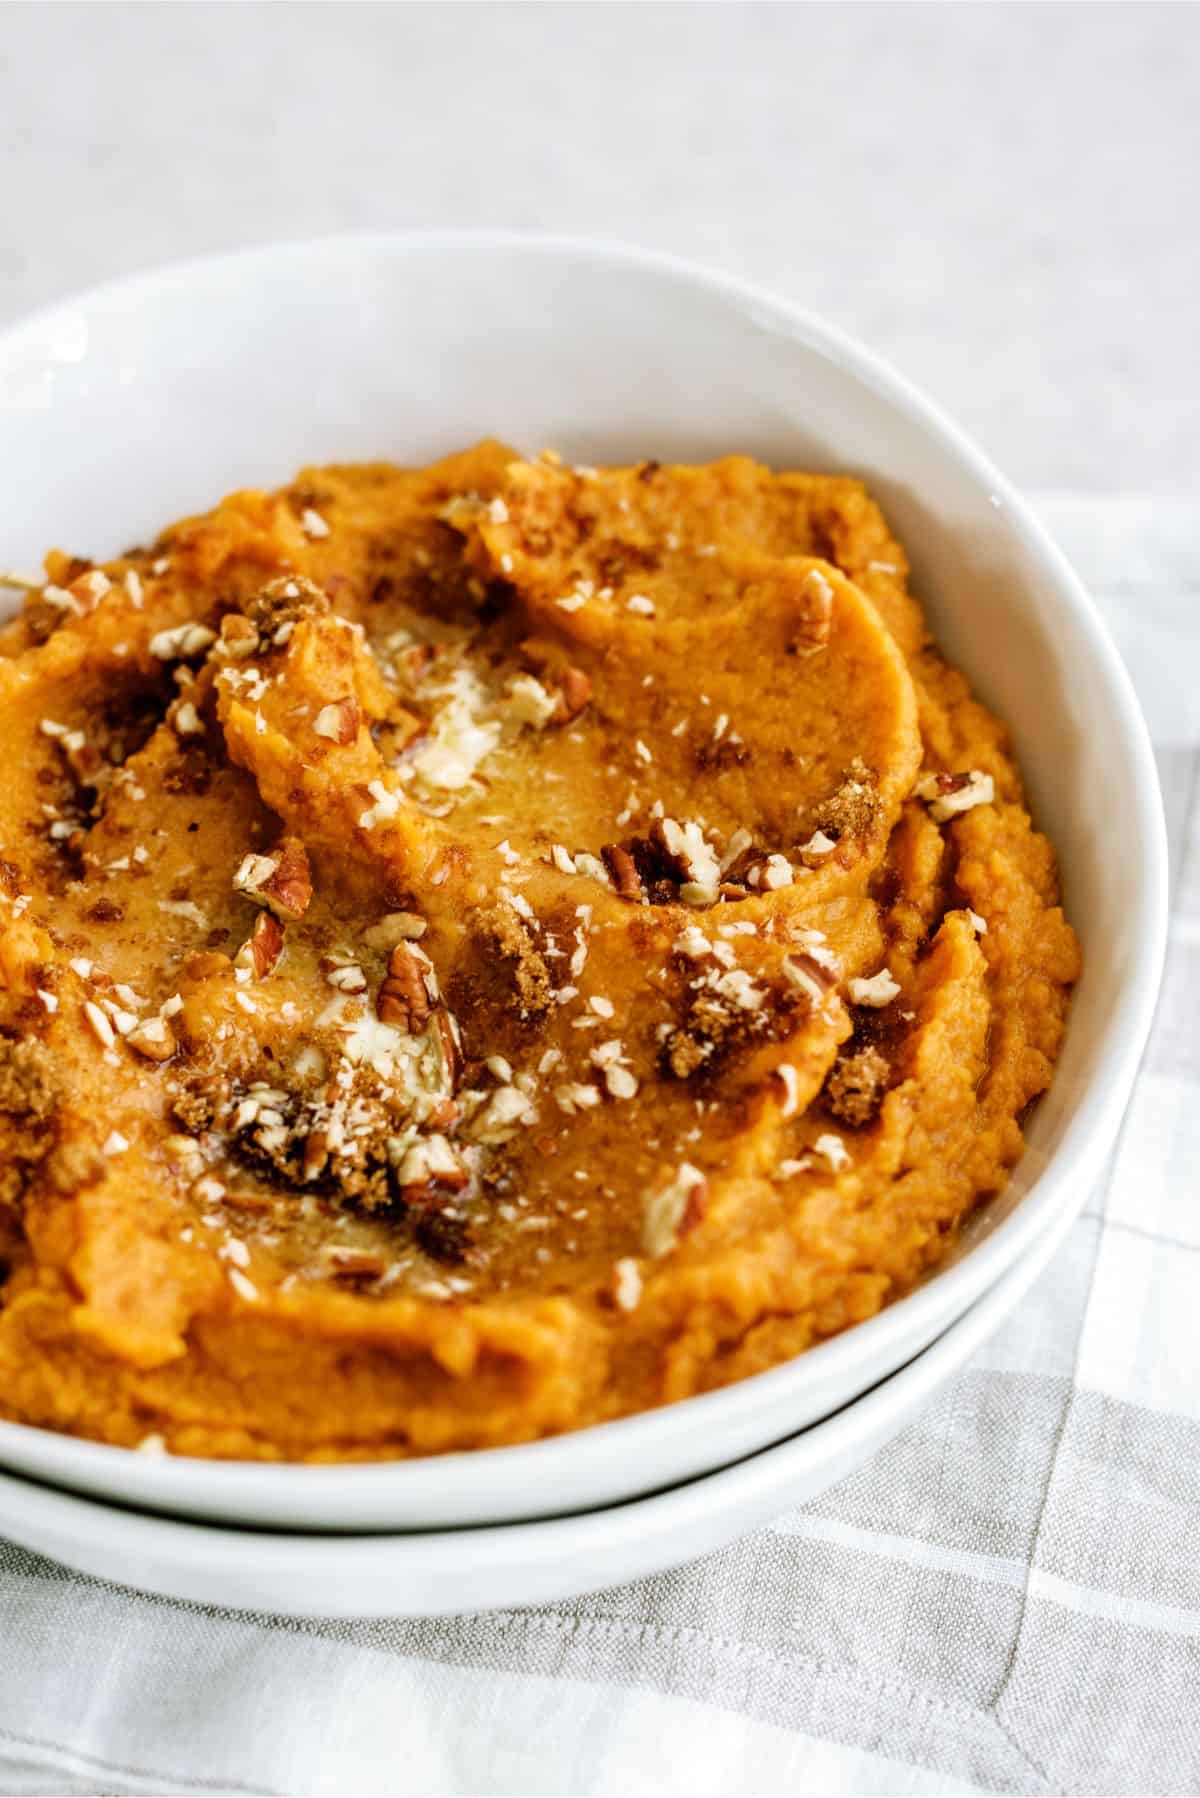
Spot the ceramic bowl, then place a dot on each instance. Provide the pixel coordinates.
(149, 398)
(443, 1572)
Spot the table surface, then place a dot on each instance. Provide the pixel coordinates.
(1000, 199)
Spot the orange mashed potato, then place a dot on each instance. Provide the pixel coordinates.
(490, 948)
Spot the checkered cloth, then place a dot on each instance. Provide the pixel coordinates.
(1006, 1600)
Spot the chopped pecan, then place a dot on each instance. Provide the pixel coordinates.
(263, 947)
(181, 642)
(282, 881)
(876, 992)
(238, 636)
(154, 1040)
(402, 999)
(623, 871)
(689, 855)
(448, 1036)
(394, 927)
(948, 794)
(89, 589)
(431, 1167)
(355, 1264)
(422, 1197)
(574, 692)
(338, 721)
(447, 1112)
(812, 976)
(813, 632)
(343, 974)
(316, 1154)
(669, 1213)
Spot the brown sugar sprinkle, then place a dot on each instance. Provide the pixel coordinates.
(28, 1085)
(853, 808)
(72, 1165)
(443, 1235)
(856, 1085)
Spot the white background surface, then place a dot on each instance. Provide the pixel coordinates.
(1001, 199)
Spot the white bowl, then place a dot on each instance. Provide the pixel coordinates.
(442, 1572)
(151, 397)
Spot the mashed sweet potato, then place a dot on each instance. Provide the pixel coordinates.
(490, 948)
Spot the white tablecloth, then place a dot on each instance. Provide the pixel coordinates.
(1006, 1600)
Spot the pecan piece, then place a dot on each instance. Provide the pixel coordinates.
(281, 881)
(155, 1040)
(948, 794)
(573, 695)
(623, 871)
(338, 721)
(342, 975)
(238, 636)
(447, 1112)
(402, 999)
(316, 1155)
(263, 946)
(813, 976)
(89, 589)
(448, 1035)
(689, 855)
(669, 1213)
(355, 1264)
(431, 1167)
(813, 631)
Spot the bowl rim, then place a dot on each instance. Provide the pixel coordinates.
(1088, 1133)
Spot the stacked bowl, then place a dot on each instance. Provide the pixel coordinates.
(235, 371)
